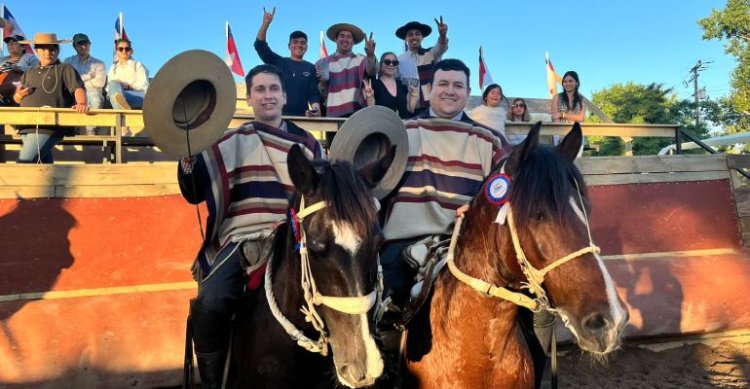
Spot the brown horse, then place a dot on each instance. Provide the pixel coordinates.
(320, 283)
(470, 338)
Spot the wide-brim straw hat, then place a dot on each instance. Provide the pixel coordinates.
(334, 30)
(367, 136)
(414, 25)
(190, 103)
(44, 38)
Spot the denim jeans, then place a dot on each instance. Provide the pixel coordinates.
(134, 98)
(38, 147)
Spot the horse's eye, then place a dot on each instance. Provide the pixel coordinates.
(317, 246)
(539, 216)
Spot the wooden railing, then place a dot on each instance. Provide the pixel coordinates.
(131, 121)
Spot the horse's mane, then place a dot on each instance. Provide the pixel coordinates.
(545, 182)
(349, 199)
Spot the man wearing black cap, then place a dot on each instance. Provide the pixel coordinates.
(416, 62)
(303, 96)
(12, 68)
(93, 73)
(17, 58)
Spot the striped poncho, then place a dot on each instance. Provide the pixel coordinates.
(244, 180)
(345, 75)
(448, 161)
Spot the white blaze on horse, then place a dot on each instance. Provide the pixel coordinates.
(311, 325)
(469, 336)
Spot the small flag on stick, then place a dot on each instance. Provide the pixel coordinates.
(233, 56)
(484, 74)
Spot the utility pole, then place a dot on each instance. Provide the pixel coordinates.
(699, 67)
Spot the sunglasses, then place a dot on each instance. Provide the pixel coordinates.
(47, 47)
(127, 49)
(519, 105)
(390, 62)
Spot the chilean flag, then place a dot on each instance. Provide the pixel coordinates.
(552, 77)
(484, 74)
(11, 27)
(323, 50)
(233, 56)
(120, 29)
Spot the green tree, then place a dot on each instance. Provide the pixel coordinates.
(733, 25)
(637, 104)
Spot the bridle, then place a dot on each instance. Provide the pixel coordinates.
(534, 276)
(356, 305)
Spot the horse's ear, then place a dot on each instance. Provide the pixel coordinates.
(303, 174)
(373, 172)
(523, 150)
(571, 146)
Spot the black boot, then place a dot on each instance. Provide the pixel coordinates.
(211, 338)
(211, 369)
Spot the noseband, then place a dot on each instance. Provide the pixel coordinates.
(534, 276)
(356, 305)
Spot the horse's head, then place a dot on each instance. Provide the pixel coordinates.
(342, 241)
(549, 207)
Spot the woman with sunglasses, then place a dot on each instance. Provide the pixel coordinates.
(519, 112)
(127, 79)
(493, 111)
(387, 91)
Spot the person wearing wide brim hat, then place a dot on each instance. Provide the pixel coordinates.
(240, 173)
(415, 66)
(337, 70)
(49, 83)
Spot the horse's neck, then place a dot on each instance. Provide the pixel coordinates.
(287, 287)
(482, 247)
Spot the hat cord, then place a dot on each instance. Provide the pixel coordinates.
(192, 177)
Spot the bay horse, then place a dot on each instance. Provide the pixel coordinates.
(539, 240)
(322, 280)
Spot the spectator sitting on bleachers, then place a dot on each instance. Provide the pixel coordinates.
(53, 84)
(12, 67)
(127, 79)
(92, 71)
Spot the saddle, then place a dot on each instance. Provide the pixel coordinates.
(428, 257)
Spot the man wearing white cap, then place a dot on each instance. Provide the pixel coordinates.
(341, 74)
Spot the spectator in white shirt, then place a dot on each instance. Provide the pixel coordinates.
(92, 71)
(127, 79)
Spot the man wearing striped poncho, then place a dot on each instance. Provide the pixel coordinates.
(450, 155)
(244, 181)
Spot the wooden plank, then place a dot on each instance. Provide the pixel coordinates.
(107, 191)
(738, 161)
(73, 175)
(133, 119)
(101, 118)
(27, 117)
(618, 179)
(652, 164)
(26, 191)
(599, 129)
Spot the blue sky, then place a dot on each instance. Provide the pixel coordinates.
(606, 42)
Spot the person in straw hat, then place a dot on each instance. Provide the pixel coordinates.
(246, 168)
(416, 61)
(343, 90)
(49, 83)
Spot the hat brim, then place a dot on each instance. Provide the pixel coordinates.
(357, 32)
(423, 28)
(367, 136)
(54, 42)
(189, 103)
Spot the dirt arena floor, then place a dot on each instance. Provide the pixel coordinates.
(718, 363)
